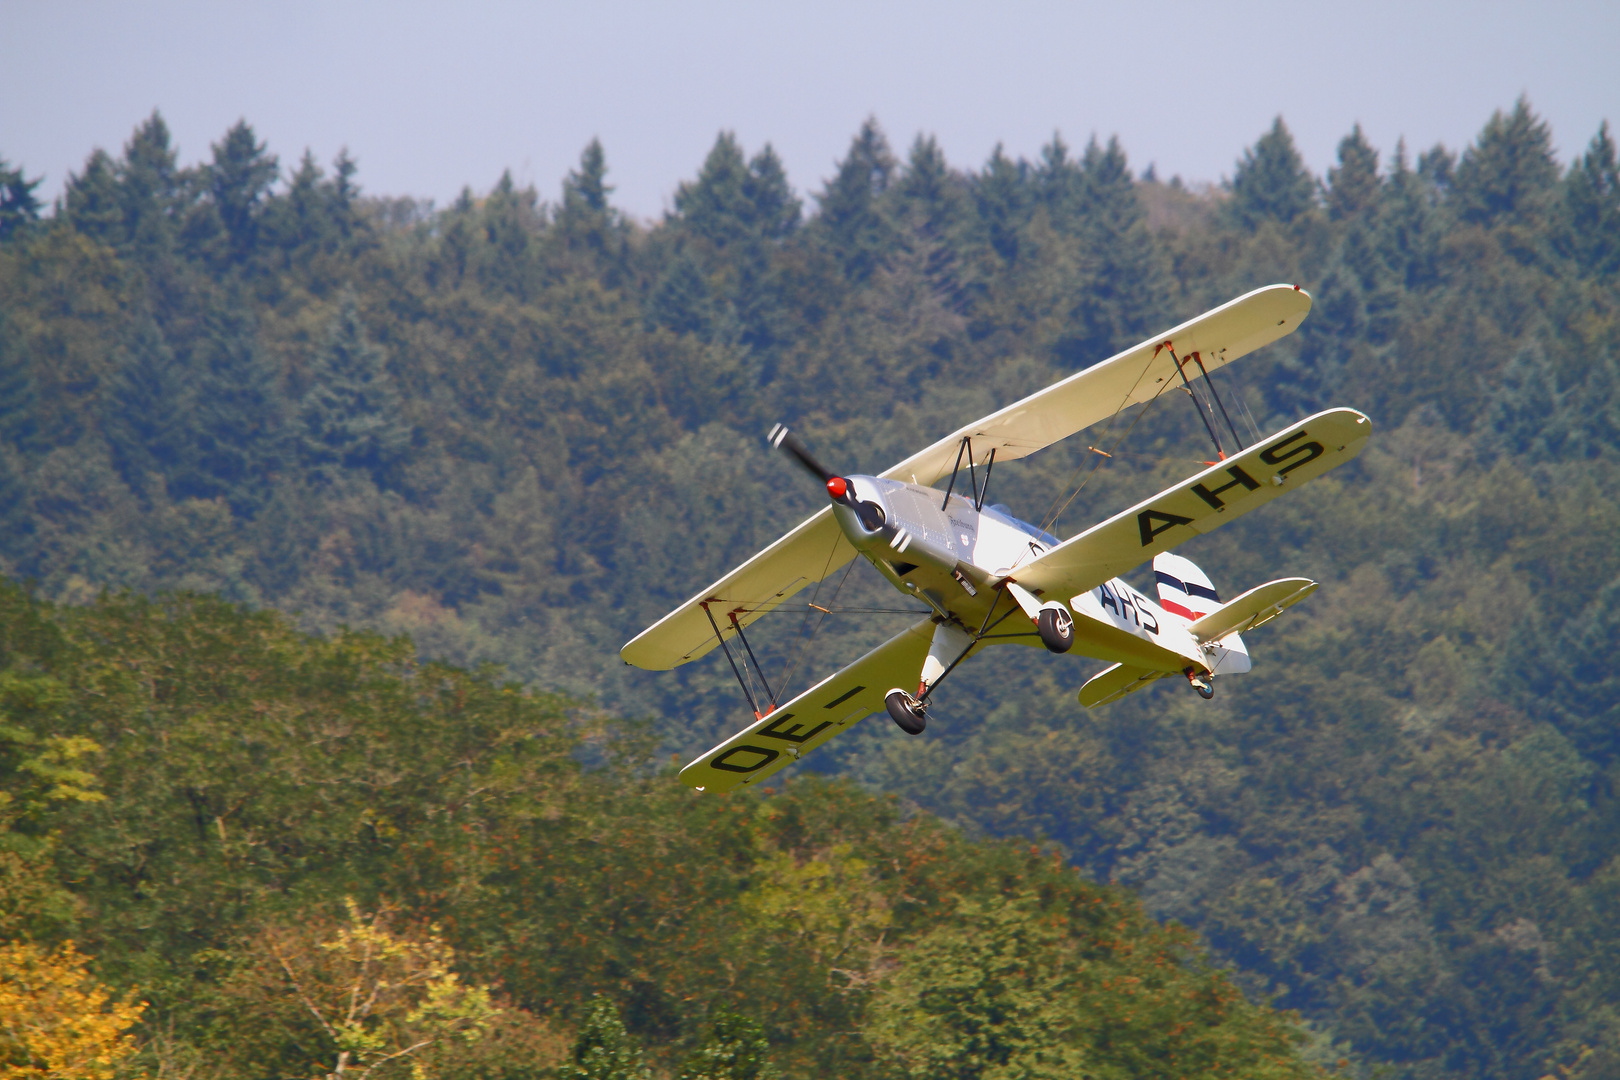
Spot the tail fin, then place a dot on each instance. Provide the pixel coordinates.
(1187, 593)
(1184, 589)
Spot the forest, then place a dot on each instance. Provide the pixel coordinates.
(325, 512)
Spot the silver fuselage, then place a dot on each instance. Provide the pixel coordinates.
(951, 556)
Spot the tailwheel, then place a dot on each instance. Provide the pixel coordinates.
(1200, 684)
(1056, 627)
(907, 712)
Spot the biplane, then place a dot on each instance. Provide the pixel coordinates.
(983, 577)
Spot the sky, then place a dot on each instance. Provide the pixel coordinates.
(429, 97)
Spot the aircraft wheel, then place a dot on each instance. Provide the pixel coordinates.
(905, 711)
(1056, 627)
(1206, 691)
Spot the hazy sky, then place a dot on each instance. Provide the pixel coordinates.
(432, 96)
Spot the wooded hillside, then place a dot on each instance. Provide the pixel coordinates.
(519, 430)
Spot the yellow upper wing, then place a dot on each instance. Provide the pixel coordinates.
(1047, 416)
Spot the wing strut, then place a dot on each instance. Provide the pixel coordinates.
(747, 688)
(1198, 402)
(980, 496)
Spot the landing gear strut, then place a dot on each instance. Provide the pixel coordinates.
(1200, 684)
(906, 711)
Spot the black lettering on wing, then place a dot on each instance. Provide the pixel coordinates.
(723, 761)
(1145, 521)
(1311, 450)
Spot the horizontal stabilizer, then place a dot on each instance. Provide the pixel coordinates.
(1254, 608)
(1113, 683)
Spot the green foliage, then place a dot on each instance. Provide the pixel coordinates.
(735, 1050)
(604, 1049)
(18, 203)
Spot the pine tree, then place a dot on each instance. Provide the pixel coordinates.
(1526, 417)
(736, 1050)
(19, 393)
(239, 181)
(145, 409)
(852, 218)
(149, 188)
(239, 415)
(1122, 300)
(19, 206)
(928, 195)
(776, 210)
(1353, 185)
(92, 202)
(1001, 194)
(716, 206)
(1271, 182)
(1059, 183)
(1589, 232)
(350, 416)
(1408, 238)
(1509, 173)
(603, 1049)
(586, 222)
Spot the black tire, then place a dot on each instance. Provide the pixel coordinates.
(905, 712)
(1056, 627)
(1206, 692)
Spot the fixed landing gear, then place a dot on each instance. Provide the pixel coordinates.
(1200, 684)
(1056, 627)
(909, 714)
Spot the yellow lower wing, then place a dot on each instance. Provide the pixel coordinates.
(833, 705)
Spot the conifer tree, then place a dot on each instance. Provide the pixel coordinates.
(1353, 184)
(717, 206)
(1002, 200)
(145, 408)
(19, 393)
(586, 221)
(1526, 417)
(603, 1049)
(239, 180)
(1059, 183)
(927, 193)
(92, 202)
(776, 210)
(1589, 232)
(149, 187)
(1271, 182)
(735, 1050)
(1509, 172)
(350, 416)
(852, 218)
(18, 204)
(1123, 294)
(239, 414)
(1408, 236)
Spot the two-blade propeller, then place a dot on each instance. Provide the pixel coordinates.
(838, 488)
(784, 440)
